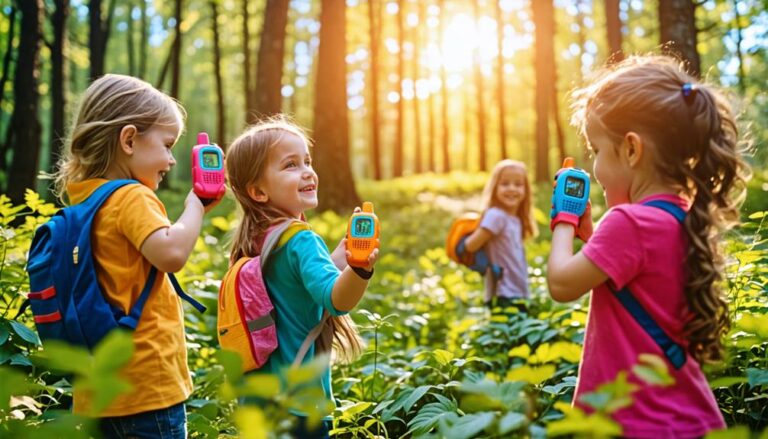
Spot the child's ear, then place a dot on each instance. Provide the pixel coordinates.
(634, 148)
(257, 194)
(127, 136)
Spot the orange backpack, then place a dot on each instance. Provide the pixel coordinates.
(246, 316)
(461, 228)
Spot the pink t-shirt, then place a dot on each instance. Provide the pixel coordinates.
(644, 247)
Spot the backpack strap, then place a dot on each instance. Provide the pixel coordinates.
(279, 235)
(311, 337)
(131, 320)
(673, 351)
(276, 238)
(180, 292)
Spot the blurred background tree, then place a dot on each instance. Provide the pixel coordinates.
(389, 88)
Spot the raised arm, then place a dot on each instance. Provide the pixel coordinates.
(570, 276)
(169, 248)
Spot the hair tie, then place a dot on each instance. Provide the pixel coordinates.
(689, 92)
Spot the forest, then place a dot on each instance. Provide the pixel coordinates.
(409, 105)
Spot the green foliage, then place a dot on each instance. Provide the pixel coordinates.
(436, 363)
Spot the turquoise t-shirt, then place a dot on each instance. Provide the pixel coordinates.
(300, 276)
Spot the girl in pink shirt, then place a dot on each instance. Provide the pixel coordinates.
(658, 137)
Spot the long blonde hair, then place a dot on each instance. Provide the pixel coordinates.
(524, 209)
(107, 105)
(246, 162)
(695, 143)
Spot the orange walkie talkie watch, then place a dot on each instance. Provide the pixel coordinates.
(362, 235)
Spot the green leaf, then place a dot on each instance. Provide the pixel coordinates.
(736, 432)
(469, 426)
(5, 332)
(201, 425)
(757, 377)
(261, 386)
(442, 356)
(414, 397)
(595, 425)
(430, 415)
(25, 333)
(14, 383)
(20, 360)
(354, 409)
(104, 389)
(231, 363)
(726, 382)
(757, 215)
(511, 421)
(113, 352)
(64, 357)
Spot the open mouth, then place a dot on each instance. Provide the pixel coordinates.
(309, 188)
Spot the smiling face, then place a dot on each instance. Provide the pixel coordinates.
(510, 190)
(151, 156)
(289, 183)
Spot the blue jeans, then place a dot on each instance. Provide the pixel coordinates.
(168, 423)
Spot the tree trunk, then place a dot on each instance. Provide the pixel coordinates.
(58, 80)
(250, 94)
(164, 69)
(482, 148)
(444, 94)
(374, 30)
(397, 149)
(739, 53)
(269, 71)
(677, 20)
(143, 40)
(418, 166)
(500, 80)
(129, 37)
(98, 35)
(432, 146)
(221, 130)
(559, 134)
(4, 79)
(613, 30)
(544, 20)
(176, 53)
(25, 123)
(331, 127)
(467, 129)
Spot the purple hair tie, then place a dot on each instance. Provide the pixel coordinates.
(689, 92)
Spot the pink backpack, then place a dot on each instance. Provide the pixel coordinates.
(246, 316)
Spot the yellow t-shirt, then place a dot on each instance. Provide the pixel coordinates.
(158, 368)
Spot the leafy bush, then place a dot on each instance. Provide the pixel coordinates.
(436, 363)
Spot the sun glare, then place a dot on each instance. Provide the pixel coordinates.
(461, 37)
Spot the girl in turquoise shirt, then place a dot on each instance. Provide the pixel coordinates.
(270, 173)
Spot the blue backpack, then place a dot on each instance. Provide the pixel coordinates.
(66, 298)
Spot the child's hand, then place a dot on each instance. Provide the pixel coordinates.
(371, 258)
(339, 255)
(584, 231)
(195, 200)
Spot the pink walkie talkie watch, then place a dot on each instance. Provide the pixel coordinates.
(207, 170)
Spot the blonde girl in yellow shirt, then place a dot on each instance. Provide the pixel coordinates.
(126, 129)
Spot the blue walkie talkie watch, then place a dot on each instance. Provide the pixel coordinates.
(571, 194)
